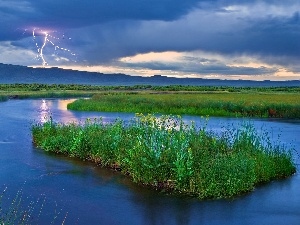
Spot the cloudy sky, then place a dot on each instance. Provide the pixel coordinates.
(232, 39)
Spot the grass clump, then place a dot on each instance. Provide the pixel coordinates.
(167, 154)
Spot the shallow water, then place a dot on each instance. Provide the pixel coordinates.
(87, 194)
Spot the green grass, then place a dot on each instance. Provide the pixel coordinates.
(36, 90)
(174, 99)
(167, 154)
(44, 94)
(284, 105)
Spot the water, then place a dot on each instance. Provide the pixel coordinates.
(87, 194)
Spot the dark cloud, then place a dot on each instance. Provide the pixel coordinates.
(77, 13)
(103, 31)
(278, 36)
(94, 11)
(262, 37)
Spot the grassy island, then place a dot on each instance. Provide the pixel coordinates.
(164, 153)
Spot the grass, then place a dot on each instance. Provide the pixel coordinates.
(76, 87)
(253, 104)
(22, 91)
(46, 94)
(36, 90)
(167, 154)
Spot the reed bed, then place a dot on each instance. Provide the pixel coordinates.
(212, 104)
(167, 154)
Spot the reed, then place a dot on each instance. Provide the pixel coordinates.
(19, 210)
(3, 98)
(167, 154)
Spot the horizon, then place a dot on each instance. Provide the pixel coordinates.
(151, 76)
(231, 40)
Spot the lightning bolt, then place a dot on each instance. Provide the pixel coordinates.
(47, 38)
(44, 63)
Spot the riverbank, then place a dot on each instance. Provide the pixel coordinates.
(167, 154)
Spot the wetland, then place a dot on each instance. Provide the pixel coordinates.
(89, 193)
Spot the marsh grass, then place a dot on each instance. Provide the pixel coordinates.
(44, 94)
(212, 104)
(165, 153)
(168, 88)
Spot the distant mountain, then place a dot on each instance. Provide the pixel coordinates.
(10, 74)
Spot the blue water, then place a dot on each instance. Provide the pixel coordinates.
(83, 193)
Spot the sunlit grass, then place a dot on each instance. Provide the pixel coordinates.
(167, 154)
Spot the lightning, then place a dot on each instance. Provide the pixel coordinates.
(49, 39)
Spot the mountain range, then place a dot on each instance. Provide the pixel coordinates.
(10, 74)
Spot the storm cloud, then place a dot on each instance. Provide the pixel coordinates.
(102, 33)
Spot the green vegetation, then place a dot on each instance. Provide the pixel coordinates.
(21, 91)
(174, 99)
(36, 90)
(284, 105)
(81, 87)
(169, 155)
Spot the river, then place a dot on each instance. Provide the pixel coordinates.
(83, 193)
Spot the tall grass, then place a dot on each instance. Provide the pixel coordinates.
(213, 104)
(167, 154)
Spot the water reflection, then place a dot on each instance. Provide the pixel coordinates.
(48, 108)
(44, 111)
(62, 104)
(65, 115)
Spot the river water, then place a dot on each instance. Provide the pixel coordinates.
(68, 190)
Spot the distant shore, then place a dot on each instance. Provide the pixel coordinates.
(10, 74)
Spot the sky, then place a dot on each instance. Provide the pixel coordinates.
(232, 39)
